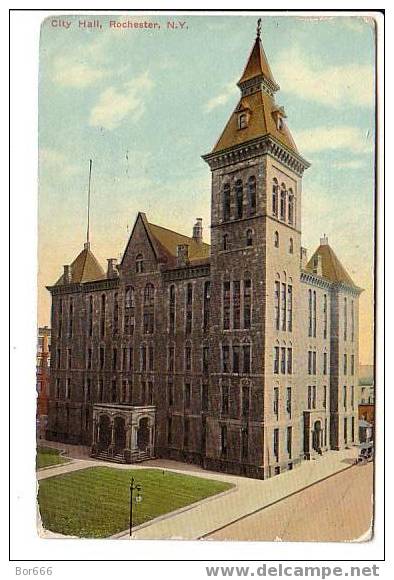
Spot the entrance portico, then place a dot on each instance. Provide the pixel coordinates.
(124, 432)
(315, 438)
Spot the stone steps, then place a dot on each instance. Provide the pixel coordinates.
(119, 458)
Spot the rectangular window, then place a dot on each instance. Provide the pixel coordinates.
(124, 358)
(289, 441)
(345, 364)
(314, 313)
(70, 318)
(276, 444)
(247, 358)
(236, 304)
(58, 358)
(247, 303)
(345, 430)
(325, 432)
(69, 358)
(114, 359)
(151, 358)
(205, 360)
(309, 362)
(57, 391)
(352, 365)
(187, 395)
(143, 392)
(277, 305)
(170, 392)
(124, 390)
(245, 401)
(290, 308)
(102, 358)
(100, 393)
(352, 397)
(235, 358)
(283, 360)
(276, 360)
(207, 301)
(169, 430)
(324, 397)
(131, 359)
(150, 393)
(204, 397)
(345, 319)
(171, 358)
(188, 358)
(324, 363)
(143, 358)
(244, 443)
(352, 320)
(314, 397)
(226, 305)
(314, 362)
(289, 361)
(309, 397)
(225, 358)
(276, 402)
(113, 391)
(288, 402)
(345, 398)
(310, 312)
(225, 399)
(283, 307)
(87, 390)
(325, 316)
(353, 431)
(68, 389)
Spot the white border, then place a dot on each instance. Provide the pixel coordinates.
(25, 544)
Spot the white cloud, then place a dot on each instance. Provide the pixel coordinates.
(341, 137)
(222, 98)
(310, 79)
(114, 105)
(73, 72)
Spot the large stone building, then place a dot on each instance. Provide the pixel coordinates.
(241, 356)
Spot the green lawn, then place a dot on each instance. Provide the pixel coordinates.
(94, 502)
(47, 456)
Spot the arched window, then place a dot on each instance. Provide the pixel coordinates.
(239, 198)
(225, 245)
(275, 189)
(139, 264)
(291, 246)
(129, 297)
(149, 295)
(276, 240)
(290, 211)
(249, 237)
(283, 202)
(247, 357)
(252, 194)
(226, 202)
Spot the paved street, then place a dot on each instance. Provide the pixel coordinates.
(336, 509)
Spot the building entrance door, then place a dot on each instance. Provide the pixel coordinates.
(317, 436)
(143, 434)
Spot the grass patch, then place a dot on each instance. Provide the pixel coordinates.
(94, 502)
(47, 456)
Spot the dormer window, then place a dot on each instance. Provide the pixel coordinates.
(242, 121)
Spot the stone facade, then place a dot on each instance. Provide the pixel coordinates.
(244, 353)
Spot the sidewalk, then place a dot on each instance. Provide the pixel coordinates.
(249, 496)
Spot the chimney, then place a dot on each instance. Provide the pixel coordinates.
(324, 240)
(182, 254)
(317, 265)
(197, 231)
(112, 271)
(303, 258)
(67, 274)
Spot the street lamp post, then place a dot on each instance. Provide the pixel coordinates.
(138, 498)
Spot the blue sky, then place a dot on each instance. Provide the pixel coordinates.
(145, 104)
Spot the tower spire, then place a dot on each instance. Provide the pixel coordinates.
(258, 31)
(87, 245)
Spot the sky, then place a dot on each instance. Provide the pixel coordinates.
(145, 103)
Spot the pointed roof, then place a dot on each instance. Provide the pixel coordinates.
(85, 268)
(257, 64)
(169, 240)
(331, 266)
(261, 122)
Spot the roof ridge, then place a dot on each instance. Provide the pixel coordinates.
(175, 232)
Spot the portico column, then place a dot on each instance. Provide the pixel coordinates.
(112, 432)
(134, 436)
(128, 436)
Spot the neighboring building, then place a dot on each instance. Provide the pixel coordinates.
(42, 378)
(241, 356)
(366, 394)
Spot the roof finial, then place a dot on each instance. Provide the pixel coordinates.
(87, 245)
(258, 28)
